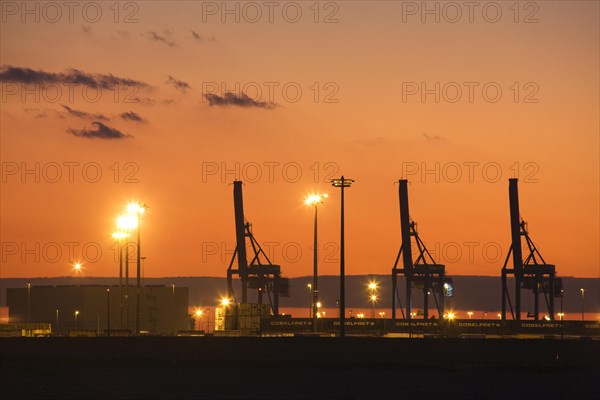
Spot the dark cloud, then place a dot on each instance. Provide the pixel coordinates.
(200, 38)
(38, 113)
(147, 101)
(163, 39)
(82, 114)
(177, 84)
(99, 131)
(72, 76)
(132, 116)
(432, 137)
(232, 99)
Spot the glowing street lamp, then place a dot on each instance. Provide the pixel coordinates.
(373, 286)
(373, 299)
(582, 303)
(225, 302)
(199, 313)
(450, 316)
(561, 316)
(120, 237)
(138, 210)
(310, 303)
(77, 267)
(76, 319)
(470, 314)
(126, 223)
(314, 200)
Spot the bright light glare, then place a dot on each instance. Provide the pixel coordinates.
(319, 304)
(134, 208)
(119, 235)
(77, 267)
(373, 298)
(373, 285)
(198, 313)
(450, 315)
(127, 222)
(315, 198)
(225, 302)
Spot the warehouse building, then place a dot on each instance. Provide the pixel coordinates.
(89, 308)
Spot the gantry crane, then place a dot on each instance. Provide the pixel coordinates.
(424, 273)
(260, 273)
(533, 273)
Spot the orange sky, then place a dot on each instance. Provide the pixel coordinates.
(374, 131)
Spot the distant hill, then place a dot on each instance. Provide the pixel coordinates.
(471, 292)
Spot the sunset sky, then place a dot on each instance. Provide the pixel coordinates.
(171, 125)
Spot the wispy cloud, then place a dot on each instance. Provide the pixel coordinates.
(132, 116)
(199, 38)
(99, 131)
(177, 84)
(232, 99)
(38, 113)
(152, 35)
(9, 73)
(432, 137)
(82, 114)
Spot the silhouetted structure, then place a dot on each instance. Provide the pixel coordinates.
(424, 272)
(532, 273)
(342, 183)
(90, 307)
(259, 274)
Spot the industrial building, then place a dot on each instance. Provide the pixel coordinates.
(89, 308)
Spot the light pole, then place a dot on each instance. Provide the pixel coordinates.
(138, 210)
(126, 223)
(173, 310)
(310, 303)
(199, 318)
(28, 302)
(372, 296)
(77, 319)
(207, 320)
(582, 304)
(120, 237)
(373, 300)
(315, 200)
(57, 320)
(108, 312)
(342, 183)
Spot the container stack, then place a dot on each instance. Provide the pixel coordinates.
(244, 318)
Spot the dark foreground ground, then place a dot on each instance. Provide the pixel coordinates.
(298, 368)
